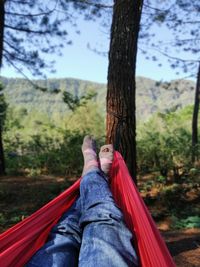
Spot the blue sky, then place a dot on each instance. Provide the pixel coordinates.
(80, 62)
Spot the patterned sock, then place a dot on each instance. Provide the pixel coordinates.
(106, 158)
(89, 154)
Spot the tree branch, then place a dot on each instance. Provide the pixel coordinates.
(26, 30)
(15, 57)
(157, 9)
(94, 4)
(11, 46)
(178, 41)
(30, 15)
(25, 76)
(190, 22)
(174, 58)
(34, 15)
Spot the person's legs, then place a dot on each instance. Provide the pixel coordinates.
(106, 240)
(63, 244)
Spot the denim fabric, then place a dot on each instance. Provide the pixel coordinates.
(92, 233)
(63, 244)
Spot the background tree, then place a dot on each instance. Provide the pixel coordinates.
(3, 107)
(121, 121)
(195, 118)
(180, 20)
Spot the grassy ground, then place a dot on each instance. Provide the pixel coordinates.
(174, 206)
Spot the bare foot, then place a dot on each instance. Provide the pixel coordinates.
(89, 154)
(106, 158)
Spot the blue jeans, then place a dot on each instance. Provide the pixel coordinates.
(92, 233)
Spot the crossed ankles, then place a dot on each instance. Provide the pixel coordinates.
(91, 161)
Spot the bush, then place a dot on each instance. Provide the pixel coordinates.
(164, 144)
(42, 155)
(189, 222)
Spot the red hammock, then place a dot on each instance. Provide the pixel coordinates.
(20, 242)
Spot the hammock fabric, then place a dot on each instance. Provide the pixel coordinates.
(20, 242)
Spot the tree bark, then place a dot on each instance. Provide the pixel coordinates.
(121, 120)
(195, 118)
(2, 22)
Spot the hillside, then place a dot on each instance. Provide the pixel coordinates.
(151, 96)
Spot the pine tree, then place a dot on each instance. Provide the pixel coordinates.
(121, 122)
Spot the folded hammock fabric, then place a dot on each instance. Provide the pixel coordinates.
(20, 242)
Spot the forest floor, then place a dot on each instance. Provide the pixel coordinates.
(169, 203)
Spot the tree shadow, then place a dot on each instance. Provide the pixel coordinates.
(185, 244)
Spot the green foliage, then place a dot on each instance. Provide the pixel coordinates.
(87, 119)
(38, 129)
(45, 155)
(3, 107)
(36, 144)
(189, 222)
(160, 179)
(164, 143)
(74, 102)
(150, 96)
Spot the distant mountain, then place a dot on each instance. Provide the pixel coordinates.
(151, 96)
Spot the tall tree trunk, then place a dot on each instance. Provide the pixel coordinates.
(2, 22)
(195, 118)
(121, 120)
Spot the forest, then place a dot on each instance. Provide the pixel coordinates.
(153, 124)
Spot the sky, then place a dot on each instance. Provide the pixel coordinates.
(78, 61)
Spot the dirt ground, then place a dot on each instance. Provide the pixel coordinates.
(184, 246)
(20, 196)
